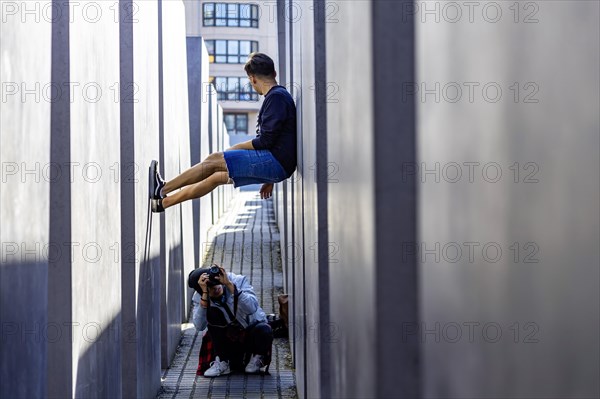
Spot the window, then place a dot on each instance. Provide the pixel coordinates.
(236, 123)
(230, 14)
(234, 89)
(230, 51)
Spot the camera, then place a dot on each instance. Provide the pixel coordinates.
(214, 272)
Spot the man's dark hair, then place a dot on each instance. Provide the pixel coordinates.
(260, 64)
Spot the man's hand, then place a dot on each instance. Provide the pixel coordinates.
(223, 278)
(202, 282)
(266, 190)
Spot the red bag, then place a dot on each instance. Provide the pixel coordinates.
(206, 354)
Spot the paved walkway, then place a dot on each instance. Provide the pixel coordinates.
(246, 241)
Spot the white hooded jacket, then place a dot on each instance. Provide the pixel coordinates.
(248, 310)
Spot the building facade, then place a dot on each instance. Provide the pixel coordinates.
(231, 31)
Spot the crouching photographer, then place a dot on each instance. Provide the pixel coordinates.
(227, 304)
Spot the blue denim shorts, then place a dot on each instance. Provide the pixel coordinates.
(253, 166)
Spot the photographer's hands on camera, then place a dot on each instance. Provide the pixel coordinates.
(221, 278)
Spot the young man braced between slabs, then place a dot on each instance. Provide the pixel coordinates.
(268, 158)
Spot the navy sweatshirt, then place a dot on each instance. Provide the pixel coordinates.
(276, 127)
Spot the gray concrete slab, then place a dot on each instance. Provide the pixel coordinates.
(528, 207)
(199, 92)
(213, 144)
(174, 105)
(194, 63)
(206, 201)
(187, 215)
(25, 134)
(95, 221)
(352, 201)
(502, 104)
(60, 351)
(313, 251)
(140, 248)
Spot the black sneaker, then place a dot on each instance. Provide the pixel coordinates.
(156, 181)
(157, 206)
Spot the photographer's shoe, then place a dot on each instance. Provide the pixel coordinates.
(254, 365)
(218, 368)
(156, 181)
(157, 206)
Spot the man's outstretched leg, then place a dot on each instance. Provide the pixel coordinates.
(210, 172)
(213, 163)
(191, 191)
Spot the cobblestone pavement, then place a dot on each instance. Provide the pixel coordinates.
(245, 241)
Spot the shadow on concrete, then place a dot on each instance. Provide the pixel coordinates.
(100, 362)
(147, 326)
(24, 329)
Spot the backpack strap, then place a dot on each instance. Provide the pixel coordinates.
(232, 316)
